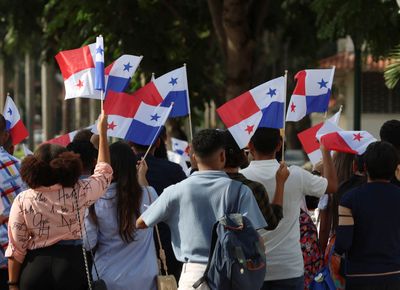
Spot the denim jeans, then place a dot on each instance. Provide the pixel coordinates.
(284, 284)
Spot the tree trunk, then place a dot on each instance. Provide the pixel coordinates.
(237, 25)
(239, 48)
(48, 101)
(357, 87)
(78, 113)
(16, 96)
(29, 99)
(2, 84)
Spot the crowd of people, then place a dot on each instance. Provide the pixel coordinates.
(94, 211)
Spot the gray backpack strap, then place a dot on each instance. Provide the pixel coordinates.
(233, 196)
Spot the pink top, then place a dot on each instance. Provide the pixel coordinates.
(44, 216)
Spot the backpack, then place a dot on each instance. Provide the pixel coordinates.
(236, 259)
(312, 255)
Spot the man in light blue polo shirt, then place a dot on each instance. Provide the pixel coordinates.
(192, 207)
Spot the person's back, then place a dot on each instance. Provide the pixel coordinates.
(285, 266)
(192, 207)
(125, 257)
(369, 224)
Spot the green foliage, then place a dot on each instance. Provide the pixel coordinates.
(373, 22)
(392, 71)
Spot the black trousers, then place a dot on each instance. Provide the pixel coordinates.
(384, 285)
(56, 267)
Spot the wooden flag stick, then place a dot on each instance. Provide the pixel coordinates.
(154, 138)
(190, 113)
(284, 119)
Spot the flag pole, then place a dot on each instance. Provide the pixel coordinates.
(155, 136)
(331, 82)
(284, 119)
(190, 112)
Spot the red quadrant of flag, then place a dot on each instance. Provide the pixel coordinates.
(74, 60)
(149, 95)
(300, 88)
(238, 109)
(333, 141)
(121, 104)
(308, 138)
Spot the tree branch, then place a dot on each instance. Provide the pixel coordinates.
(216, 11)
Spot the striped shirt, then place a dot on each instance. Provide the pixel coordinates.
(10, 185)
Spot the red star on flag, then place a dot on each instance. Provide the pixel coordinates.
(249, 129)
(79, 84)
(292, 107)
(111, 126)
(358, 137)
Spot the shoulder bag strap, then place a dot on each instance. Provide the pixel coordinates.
(75, 194)
(161, 253)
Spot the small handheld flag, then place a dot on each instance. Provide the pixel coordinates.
(262, 106)
(171, 87)
(99, 82)
(14, 123)
(180, 147)
(78, 71)
(355, 142)
(309, 137)
(119, 73)
(311, 93)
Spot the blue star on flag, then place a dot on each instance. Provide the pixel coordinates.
(173, 81)
(127, 67)
(272, 92)
(322, 84)
(9, 111)
(155, 117)
(99, 50)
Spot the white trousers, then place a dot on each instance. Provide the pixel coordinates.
(191, 272)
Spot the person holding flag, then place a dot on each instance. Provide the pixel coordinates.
(10, 185)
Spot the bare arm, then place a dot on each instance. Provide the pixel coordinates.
(14, 269)
(140, 224)
(104, 152)
(281, 176)
(329, 171)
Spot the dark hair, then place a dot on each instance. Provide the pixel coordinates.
(129, 192)
(344, 165)
(3, 124)
(390, 132)
(381, 160)
(208, 141)
(51, 164)
(139, 148)
(235, 157)
(266, 140)
(161, 150)
(87, 152)
(8, 145)
(83, 135)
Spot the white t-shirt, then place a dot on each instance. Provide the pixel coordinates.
(284, 256)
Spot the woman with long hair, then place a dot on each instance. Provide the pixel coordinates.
(125, 257)
(45, 248)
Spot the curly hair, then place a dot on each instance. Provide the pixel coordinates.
(51, 164)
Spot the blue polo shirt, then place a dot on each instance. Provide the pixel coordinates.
(192, 207)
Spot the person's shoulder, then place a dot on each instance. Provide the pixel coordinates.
(168, 164)
(254, 185)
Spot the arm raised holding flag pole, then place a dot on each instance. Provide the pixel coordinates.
(99, 79)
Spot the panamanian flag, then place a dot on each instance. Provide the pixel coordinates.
(311, 94)
(171, 87)
(120, 72)
(78, 71)
(134, 120)
(14, 123)
(262, 106)
(64, 140)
